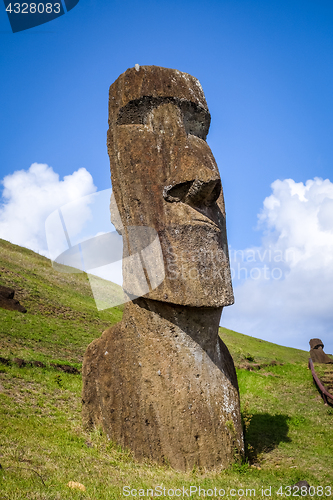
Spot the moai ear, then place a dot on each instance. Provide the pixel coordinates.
(196, 119)
(115, 215)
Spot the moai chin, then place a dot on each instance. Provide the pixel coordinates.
(162, 382)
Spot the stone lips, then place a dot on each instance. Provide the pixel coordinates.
(162, 382)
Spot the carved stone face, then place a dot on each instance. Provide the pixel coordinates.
(164, 176)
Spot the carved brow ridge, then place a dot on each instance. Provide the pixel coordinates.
(196, 118)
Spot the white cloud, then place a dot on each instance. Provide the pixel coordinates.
(29, 196)
(61, 220)
(284, 289)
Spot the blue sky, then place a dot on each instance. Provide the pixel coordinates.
(266, 70)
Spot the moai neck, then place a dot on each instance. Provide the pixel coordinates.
(201, 324)
(182, 327)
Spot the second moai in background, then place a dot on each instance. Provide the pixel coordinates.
(317, 353)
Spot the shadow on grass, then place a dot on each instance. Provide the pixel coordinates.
(264, 433)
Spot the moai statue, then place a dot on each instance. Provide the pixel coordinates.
(317, 353)
(162, 382)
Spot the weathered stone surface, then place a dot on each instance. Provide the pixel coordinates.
(315, 343)
(6, 292)
(7, 300)
(317, 353)
(162, 382)
(11, 305)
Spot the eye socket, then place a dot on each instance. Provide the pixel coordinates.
(135, 111)
(196, 119)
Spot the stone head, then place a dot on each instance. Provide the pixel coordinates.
(164, 176)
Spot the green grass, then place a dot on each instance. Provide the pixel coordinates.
(62, 318)
(250, 349)
(43, 445)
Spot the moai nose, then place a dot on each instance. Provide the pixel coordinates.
(197, 193)
(203, 193)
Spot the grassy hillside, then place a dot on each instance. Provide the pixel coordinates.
(251, 351)
(43, 445)
(62, 318)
